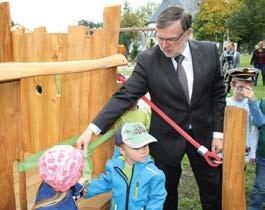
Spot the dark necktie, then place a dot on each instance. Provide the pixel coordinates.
(182, 75)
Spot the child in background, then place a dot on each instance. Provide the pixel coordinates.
(242, 84)
(257, 198)
(60, 169)
(133, 115)
(132, 177)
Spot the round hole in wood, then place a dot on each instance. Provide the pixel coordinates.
(39, 89)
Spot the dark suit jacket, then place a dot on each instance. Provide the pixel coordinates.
(155, 73)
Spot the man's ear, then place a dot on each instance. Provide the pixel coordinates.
(189, 32)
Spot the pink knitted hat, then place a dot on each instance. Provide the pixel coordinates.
(61, 167)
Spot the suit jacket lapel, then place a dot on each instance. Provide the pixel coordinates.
(197, 66)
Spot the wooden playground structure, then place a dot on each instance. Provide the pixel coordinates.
(53, 84)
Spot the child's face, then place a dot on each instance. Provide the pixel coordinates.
(134, 155)
(239, 87)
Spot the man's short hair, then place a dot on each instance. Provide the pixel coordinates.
(173, 14)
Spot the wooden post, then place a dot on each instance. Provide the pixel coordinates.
(5, 33)
(235, 127)
(10, 117)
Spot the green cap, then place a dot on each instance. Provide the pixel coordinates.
(134, 135)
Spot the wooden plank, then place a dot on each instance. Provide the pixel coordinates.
(55, 50)
(32, 91)
(99, 202)
(9, 140)
(233, 188)
(10, 116)
(5, 33)
(18, 40)
(20, 178)
(71, 85)
(84, 108)
(106, 42)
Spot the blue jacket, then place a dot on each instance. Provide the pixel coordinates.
(146, 191)
(68, 203)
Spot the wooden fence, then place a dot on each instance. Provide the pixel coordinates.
(40, 111)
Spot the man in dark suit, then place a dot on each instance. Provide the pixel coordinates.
(197, 105)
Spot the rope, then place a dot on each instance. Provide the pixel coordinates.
(211, 158)
(31, 162)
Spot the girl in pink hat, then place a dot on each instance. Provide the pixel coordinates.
(60, 169)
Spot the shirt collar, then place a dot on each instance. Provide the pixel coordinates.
(186, 53)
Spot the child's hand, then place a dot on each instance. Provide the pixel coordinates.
(84, 181)
(248, 93)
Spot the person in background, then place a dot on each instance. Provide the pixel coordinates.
(243, 97)
(189, 90)
(230, 59)
(257, 197)
(132, 177)
(258, 61)
(134, 114)
(60, 169)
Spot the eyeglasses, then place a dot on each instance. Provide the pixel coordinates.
(240, 87)
(171, 40)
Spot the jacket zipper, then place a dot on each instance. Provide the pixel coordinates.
(128, 185)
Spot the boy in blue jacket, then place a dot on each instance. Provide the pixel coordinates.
(132, 177)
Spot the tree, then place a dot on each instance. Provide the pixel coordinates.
(209, 23)
(128, 19)
(90, 24)
(247, 24)
(144, 12)
(135, 51)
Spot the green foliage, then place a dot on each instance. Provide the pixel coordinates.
(209, 23)
(247, 24)
(90, 24)
(132, 19)
(135, 51)
(144, 12)
(129, 19)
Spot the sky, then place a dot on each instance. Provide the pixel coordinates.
(56, 15)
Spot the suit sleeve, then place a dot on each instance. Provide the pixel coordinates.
(218, 96)
(129, 93)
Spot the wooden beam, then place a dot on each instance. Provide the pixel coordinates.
(233, 186)
(135, 29)
(17, 70)
(131, 29)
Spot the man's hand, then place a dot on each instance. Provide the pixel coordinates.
(84, 139)
(217, 145)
